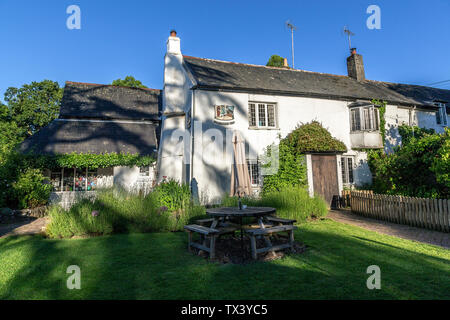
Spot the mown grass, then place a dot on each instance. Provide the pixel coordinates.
(158, 266)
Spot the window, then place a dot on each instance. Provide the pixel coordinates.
(70, 179)
(262, 115)
(144, 171)
(441, 114)
(365, 119)
(347, 170)
(254, 171)
(56, 180)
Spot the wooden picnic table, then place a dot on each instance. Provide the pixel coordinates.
(222, 223)
(221, 214)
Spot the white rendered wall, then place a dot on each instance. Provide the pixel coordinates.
(212, 167)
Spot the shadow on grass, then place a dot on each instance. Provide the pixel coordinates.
(158, 266)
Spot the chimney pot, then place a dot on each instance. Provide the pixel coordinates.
(173, 43)
(353, 51)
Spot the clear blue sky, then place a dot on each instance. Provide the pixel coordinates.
(119, 38)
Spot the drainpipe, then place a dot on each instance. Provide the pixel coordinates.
(191, 166)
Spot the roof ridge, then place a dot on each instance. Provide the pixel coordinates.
(110, 85)
(408, 84)
(267, 67)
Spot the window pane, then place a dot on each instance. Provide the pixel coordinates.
(80, 180)
(344, 173)
(68, 179)
(92, 180)
(350, 170)
(144, 171)
(271, 115)
(356, 123)
(377, 119)
(253, 170)
(261, 115)
(444, 114)
(366, 120)
(55, 179)
(252, 115)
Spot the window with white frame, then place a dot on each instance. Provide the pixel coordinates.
(441, 114)
(144, 171)
(262, 115)
(254, 170)
(347, 170)
(365, 118)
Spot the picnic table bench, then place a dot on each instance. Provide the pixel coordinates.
(221, 223)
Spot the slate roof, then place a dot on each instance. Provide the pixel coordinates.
(66, 136)
(82, 100)
(215, 74)
(97, 118)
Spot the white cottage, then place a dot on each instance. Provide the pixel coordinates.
(204, 100)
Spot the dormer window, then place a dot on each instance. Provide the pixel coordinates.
(364, 118)
(441, 114)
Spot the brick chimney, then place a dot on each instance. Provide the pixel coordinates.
(355, 66)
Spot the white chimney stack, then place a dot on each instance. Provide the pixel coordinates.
(173, 43)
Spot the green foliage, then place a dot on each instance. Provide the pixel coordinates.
(419, 168)
(313, 137)
(382, 110)
(172, 195)
(129, 81)
(34, 105)
(309, 137)
(275, 61)
(119, 212)
(16, 163)
(30, 189)
(409, 132)
(291, 202)
(291, 169)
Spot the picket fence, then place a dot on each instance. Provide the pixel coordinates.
(418, 212)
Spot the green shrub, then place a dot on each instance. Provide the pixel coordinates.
(173, 195)
(120, 212)
(308, 137)
(418, 168)
(290, 202)
(30, 189)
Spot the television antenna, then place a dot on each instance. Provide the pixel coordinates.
(292, 27)
(349, 34)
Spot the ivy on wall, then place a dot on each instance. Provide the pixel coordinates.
(88, 160)
(309, 137)
(382, 110)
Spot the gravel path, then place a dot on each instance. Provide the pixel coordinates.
(437, 238)
(22, 228)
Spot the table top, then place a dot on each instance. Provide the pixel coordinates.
(235, 212)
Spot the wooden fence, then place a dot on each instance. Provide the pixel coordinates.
(418, 212)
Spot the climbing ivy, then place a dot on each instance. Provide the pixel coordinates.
(382, 110)
(88, 160)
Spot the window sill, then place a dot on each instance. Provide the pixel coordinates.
(262, 128)
(361, 131)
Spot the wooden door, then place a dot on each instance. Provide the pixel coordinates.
(325, 180)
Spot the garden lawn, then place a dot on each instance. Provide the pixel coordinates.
(158, 266)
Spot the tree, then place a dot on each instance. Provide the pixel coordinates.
(129, 81)
(275, 61)
(34, 105)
